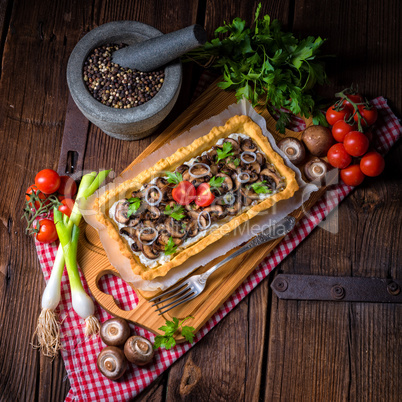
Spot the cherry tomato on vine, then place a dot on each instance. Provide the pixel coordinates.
(334, 115)
(355, 98)
(341, 128)
(338, 157)
(34, 189)
(369, 115)
(68, 186)
(356, 143)
(47, 181)
(372, 164)
(47, 231)
(184, 193)
(204, 195)
(352, 175)
(66, 206)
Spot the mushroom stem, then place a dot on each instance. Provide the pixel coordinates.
(143, 347)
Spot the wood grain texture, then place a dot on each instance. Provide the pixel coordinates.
(33, 99)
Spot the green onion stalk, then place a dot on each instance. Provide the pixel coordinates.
(48, 327)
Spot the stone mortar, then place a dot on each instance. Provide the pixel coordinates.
(124, 124)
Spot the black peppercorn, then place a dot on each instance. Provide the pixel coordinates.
(115, 86)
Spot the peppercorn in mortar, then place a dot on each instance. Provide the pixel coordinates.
(115, 86)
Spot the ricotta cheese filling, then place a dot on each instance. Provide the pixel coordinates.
(163, 258)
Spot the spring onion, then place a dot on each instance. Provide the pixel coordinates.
(82, 303)
(48, 327)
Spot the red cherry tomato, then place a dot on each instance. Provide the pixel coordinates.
(341, 128)
(204, 195)
(67, 206)
(372, 164)
(356, 143)
(184, 193)
(47, 181)
(338, 157)
(369, 115)
(333, 115)
(68, 186)
(352, 175)
(356, 98)
(47, 231)
(34, 189)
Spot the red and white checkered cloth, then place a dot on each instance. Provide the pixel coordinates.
(80, 354)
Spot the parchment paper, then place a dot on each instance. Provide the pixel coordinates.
(242, 234)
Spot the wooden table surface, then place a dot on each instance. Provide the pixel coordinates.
(265, 349)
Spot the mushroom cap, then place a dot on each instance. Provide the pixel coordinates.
(148, 234)
(318, 140)
(112, 363)
(315, 170)
(248, 145)
(182, 168)
(215, 211)
(227, 184)
(175, 229)
(152, 212)
(150, 252)
(138, 350)
(129, 231)
(121, 212)
(235, 144)
(293, 149)
(199, 169)
(202, 222)
(235, 208)
(260, 158)
(192, 228)
(269, 175)
(161, 182)
(114, 332)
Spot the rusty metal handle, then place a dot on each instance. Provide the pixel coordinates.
(74, 141)
(334, 288)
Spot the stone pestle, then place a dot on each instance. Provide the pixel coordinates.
(156, 52)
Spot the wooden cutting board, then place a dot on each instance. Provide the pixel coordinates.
(94, 263)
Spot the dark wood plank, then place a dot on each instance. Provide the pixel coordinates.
(5, 15)
(32, 119)
(330, 351)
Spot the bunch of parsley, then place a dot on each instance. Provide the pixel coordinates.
(267, 66)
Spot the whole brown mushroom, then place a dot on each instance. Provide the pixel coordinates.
(293, 149)
(112, 363)
(316, 170)
(318, 140)
(138, 350)
(115, 332)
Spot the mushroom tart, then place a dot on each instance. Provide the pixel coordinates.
(191, 199)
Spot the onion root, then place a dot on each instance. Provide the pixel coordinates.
(92, 326)
(48, 333)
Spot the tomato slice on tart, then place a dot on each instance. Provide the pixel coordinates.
(204, 196)
(184, 193)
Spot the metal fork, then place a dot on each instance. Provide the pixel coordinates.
(193, 286)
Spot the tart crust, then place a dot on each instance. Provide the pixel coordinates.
(236, 124)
